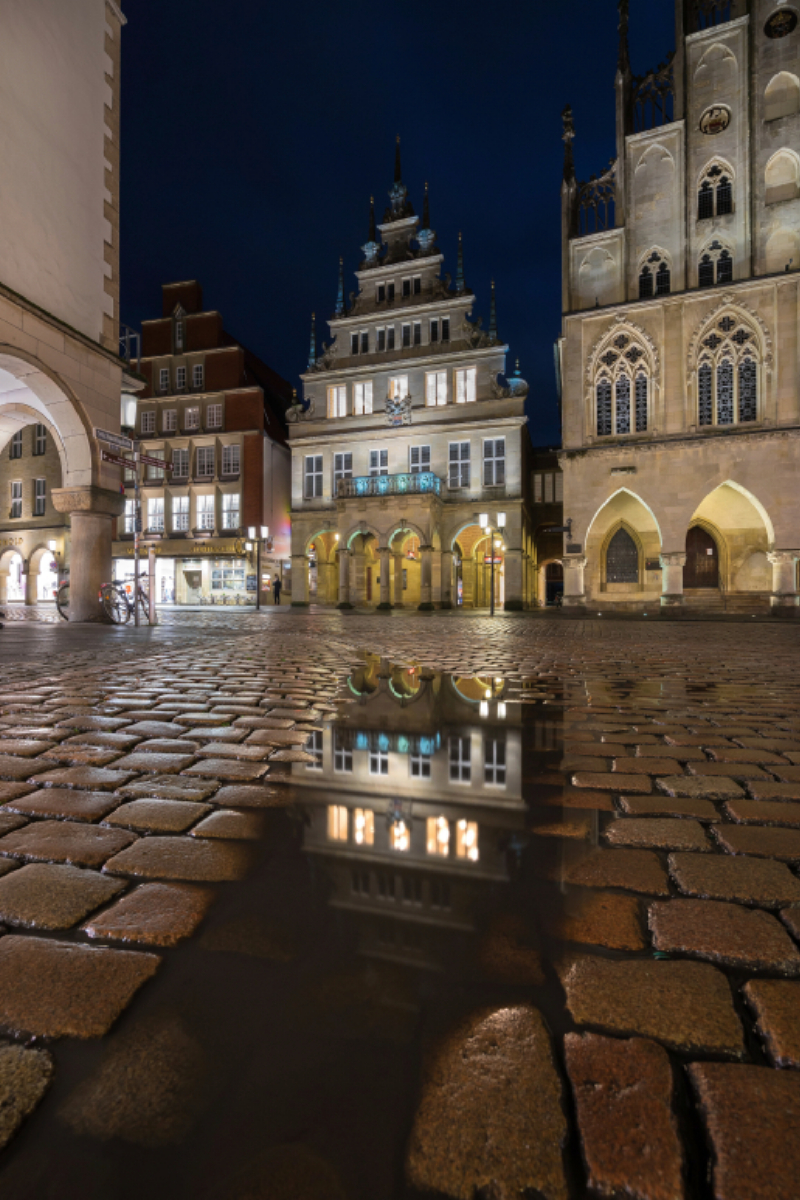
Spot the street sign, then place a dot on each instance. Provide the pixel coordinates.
(114, 439)
(116, 458)
(154, 462)
(488, 560)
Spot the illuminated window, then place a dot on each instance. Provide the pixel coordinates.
(206, 515)
(399, 836)
(435, 388)
(467, 840)
(362, 398)
(337, 822)
(337, 401)
(364, 827)
(191, 418)
(438, 836)
(398, 386)
(155, 514)
(230, 511)
(465, 380)
(130, 516)
(180, 514)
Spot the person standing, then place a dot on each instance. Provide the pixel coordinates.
(276, 588)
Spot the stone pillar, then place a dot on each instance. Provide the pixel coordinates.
(398, 580)
(326, 583)
(574, 594)
(426, 578)
(469, 580)
(299, 581)
(358, 578)
(514, 589)
(672, 564)
(384, 554)
(90, 511)
(447, 579)
(31, 582)
(784, 599)
(3, 587)
(344, 579)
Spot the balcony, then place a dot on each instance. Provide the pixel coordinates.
(390, 485)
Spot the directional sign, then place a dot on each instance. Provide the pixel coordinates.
(154, 462)
(115, 458)
(114, 439)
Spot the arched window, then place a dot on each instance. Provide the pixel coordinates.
(622, 559)
(715, 196)
(715, 266)
(663, 276)
(646, 283)
(782, 97)
(622, 387)
(782, 177)
(728, 374)
(711, 12)
(654, 276)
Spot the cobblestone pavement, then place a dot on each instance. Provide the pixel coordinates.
(134, 767)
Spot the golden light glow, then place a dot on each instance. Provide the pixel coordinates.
(467, 840)
(364, 827)
(438, 836)
(400, 837)
(337, 822)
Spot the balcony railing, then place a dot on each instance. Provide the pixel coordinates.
(390, 485)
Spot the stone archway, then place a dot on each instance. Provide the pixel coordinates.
(624, 511)
(744, 536)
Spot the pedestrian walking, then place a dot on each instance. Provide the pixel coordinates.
(276, 588)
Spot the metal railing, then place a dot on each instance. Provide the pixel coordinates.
(390, 485)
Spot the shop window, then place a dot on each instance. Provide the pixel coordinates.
(460, 760)
(459, 465)
(419, 459)
(622, 559)
(467, 840)
(438, 836)
(180, 513)
(465, 385)
(227, 576)
(494, 462)
(494, 762)
(214, 416)
(230, 511)
(231, 460)
(435, 388)
(379, 462)
(40, 440)
(337, 822)
(364, 827)
(206, 516)
(16, 500)
(337, 401)
(362, 398)
(205, 462)
(155, 514)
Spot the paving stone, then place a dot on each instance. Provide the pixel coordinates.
(629, 1133)
(597, 919)
(295, 755)
(741, 755)
(170, 787)
(191, 859)
(572, 762)
(760, 841)
(620, 782)
(710, 738)
(154, 729)
(9, 821)
(12, 791)
(65, 842)
(787, 774)
(244, 723)
(698, 786)
(157, 764)
(24, 749)
(742, 879)
(153, 914)
(669, 806)
(156, 816)
(751, 1114)
(25, 1076)
(737, 771)
(15, 768)
(81, 756)
(112, 741)
(60, 989)
(643, 766)
(633, 870)
(774, 791)
(253, 796)
(687, 1006)
(490, 1113)
(82, 777)
(576, 798)
(724, 933)
(176, 745)
(227, 823)
(276, 737)
(222, 768)
(246, 752)
(657, 833)
(791, 918)
(574, 828)
(70, 804)
(776, 1004)
(200, 719)
(94, 723)
(763, 812)
(50, 896)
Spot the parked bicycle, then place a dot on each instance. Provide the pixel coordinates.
(62, 597)
(118, 602)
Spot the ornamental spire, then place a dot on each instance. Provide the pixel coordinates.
(568, 138)
(426, 212)
(312, 352)
(493, 317)
(460, 268)
(398, 193)
(371, 237)
(426, 236)
(341, 307)
(398, 172)
(623, 57)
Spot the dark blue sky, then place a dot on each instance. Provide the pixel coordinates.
(254, 133)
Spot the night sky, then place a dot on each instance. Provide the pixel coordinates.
(254, 133)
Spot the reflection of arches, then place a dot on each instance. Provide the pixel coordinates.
(782, 96)
(782, 251)
(782, 177)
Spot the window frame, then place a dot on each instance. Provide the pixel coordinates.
(379, 465)
(163, 380)
(155, 514)
(147, 423)
(337, 401)
(423, 464)
(468, 376)
(39, 496)
(213, 416)
(16, 500)
(494, 750)
(198, 377)
(205, 455)
(169, 420)
(459, 462)
(39, 440)
(362, 398)
(314, 474)
(206, 512)
(180, 514)
(494, 464)
(181, 454)
(191, 417)
(233, 454)
(459, 766)
(341, 469)
(180, 379)
(436, 381)
(228, 508)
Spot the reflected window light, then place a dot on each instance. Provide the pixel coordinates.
(337, 822)
(467, 840)
(364, 827)
(484, 708)
(438, 836)
(502, 710)
(399, 836)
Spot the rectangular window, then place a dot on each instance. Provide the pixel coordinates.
(417, 333)
(191, 418)
(398, 387)
(381, 293)
(214, 416)
(399, 836)
(155, 514)
(230, 511)
(180, 379)
(419, 459)
(465, 385)
(313, 476)
(459, 473)
(435, 388)
(206, 515)
(197, 377)
(40, 440)
(445, 329)
(406, 336)
(434, 329)
(420, 766)
(494, 762)
(169, 420)
(205, 462)
(412, 889)
(163, 379)
(179, 335)
(379, 462)
(16, 499)
(460, 760)
(705, 272)
(390, 291)
(362, 398)
(359, 883)
(130, 516)
(467, 840)
(15, 450)
(378, 761)
(180, 514)
(154, 473)
(417, 285)
(337, 401)
(390, 339)
(440, 894)
(380, 339)
(180, 464)
(385, 886)
(337, 823)
(342, 469)
(364, 827)
(148, 422)
(342, 755)
(39, 497)
(354, 343)
(406, 287)
(231, 460)
(437, 840)
(494, 462)
(365, 341)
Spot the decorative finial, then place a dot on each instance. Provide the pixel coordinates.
(623, 58)
(312, 352)
(398, 173)
(426, 212)
(460, 268)
(493, 317)
(371, 219)
(341, 307)
(568, 138)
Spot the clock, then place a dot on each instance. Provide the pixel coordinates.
(715, 119)
(780, 24)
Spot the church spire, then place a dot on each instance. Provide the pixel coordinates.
(341, 307)
(460, 268)
(312, 350)
(568, 138)
(371, 237)
(493, 317)
(426, 211)
(398, 171)
(623, 57)
(401, 206)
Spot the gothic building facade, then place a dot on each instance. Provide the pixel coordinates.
(679, 355)
(408, 435)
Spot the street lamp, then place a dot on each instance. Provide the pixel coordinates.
(490, 531)
(253, 534)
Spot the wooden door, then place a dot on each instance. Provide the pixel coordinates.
(702, 560)
(369, 585)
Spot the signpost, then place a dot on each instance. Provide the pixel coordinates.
(116, 458)
(120, 442)
(154, 462)
(114, 439)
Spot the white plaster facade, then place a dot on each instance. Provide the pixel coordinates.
(680, 350)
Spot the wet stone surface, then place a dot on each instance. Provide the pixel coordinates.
(776, 1003)
(64, 842)
(48, 896)
(724, 933)
(747, 880)
(201, 860)
(155, 914)
(25, 1076)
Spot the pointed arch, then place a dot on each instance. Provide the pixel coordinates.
(363, 529)
(620, 492)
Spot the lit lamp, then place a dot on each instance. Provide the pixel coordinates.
(253, 534)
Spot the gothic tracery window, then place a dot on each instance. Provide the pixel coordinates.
(715, 195)
(715, 266)
(622, 559)
(654, 276)
(622, 388)
(728, 374)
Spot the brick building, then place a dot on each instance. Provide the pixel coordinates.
(214, 411)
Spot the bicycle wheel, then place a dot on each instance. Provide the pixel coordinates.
(144, 603)
(115, 603)
(62, 601)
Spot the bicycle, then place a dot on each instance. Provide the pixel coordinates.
(119, 606)
(62, 598)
